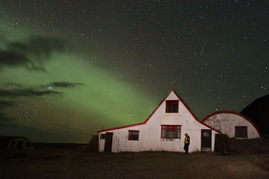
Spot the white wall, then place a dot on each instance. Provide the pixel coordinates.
(150, 132)
(226, 122)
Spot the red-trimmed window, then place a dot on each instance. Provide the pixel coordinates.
(171, 132)
(133, 135)
(171, 106)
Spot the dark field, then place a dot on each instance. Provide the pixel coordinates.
(80, 163)
(246, 159)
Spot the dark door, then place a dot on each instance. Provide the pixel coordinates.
(206, 140)
(222, 144)
(108, 141)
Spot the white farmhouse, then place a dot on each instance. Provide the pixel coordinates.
(163, 130)
(233, 124)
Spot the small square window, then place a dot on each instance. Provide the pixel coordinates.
(102, 136)
(172, 106)
(133, 135)
(241, 131)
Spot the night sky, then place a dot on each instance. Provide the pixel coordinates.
(71, 67)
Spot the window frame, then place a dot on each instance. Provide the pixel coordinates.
(237, 136)
(130, 135)
(169, 108)
(171, 128)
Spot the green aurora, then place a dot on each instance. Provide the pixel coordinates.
(103, 100)
(70, 68)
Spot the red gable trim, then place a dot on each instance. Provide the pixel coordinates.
(193, 115)
(235, 113)
(184, 103)
(104, 130)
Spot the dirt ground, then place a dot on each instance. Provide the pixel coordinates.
(80, 163)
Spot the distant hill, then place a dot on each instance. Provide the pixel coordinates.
(258, 111)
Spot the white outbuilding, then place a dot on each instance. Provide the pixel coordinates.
(163, 130)
(233, 124)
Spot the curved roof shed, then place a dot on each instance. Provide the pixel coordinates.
(233, 124)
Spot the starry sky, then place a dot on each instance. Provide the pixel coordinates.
(71, 67)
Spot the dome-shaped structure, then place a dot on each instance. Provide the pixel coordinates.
(233, 124)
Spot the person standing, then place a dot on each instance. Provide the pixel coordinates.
(186, 143)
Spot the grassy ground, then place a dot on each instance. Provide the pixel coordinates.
(80, 163)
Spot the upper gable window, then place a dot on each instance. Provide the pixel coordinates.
(171, 106)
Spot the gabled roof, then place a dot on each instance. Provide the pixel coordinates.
(235, 113)
(193, 115)
(184, 103)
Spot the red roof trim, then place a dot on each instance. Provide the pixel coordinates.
(184, 103)
(193, 115)
(137, 123)
(235, 113)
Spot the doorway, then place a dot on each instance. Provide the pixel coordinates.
(108, 141)
(206, 137)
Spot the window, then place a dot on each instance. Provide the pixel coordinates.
(241, 131)
(172, 106)
(171, 132)
(133, 135)
(102, 136)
